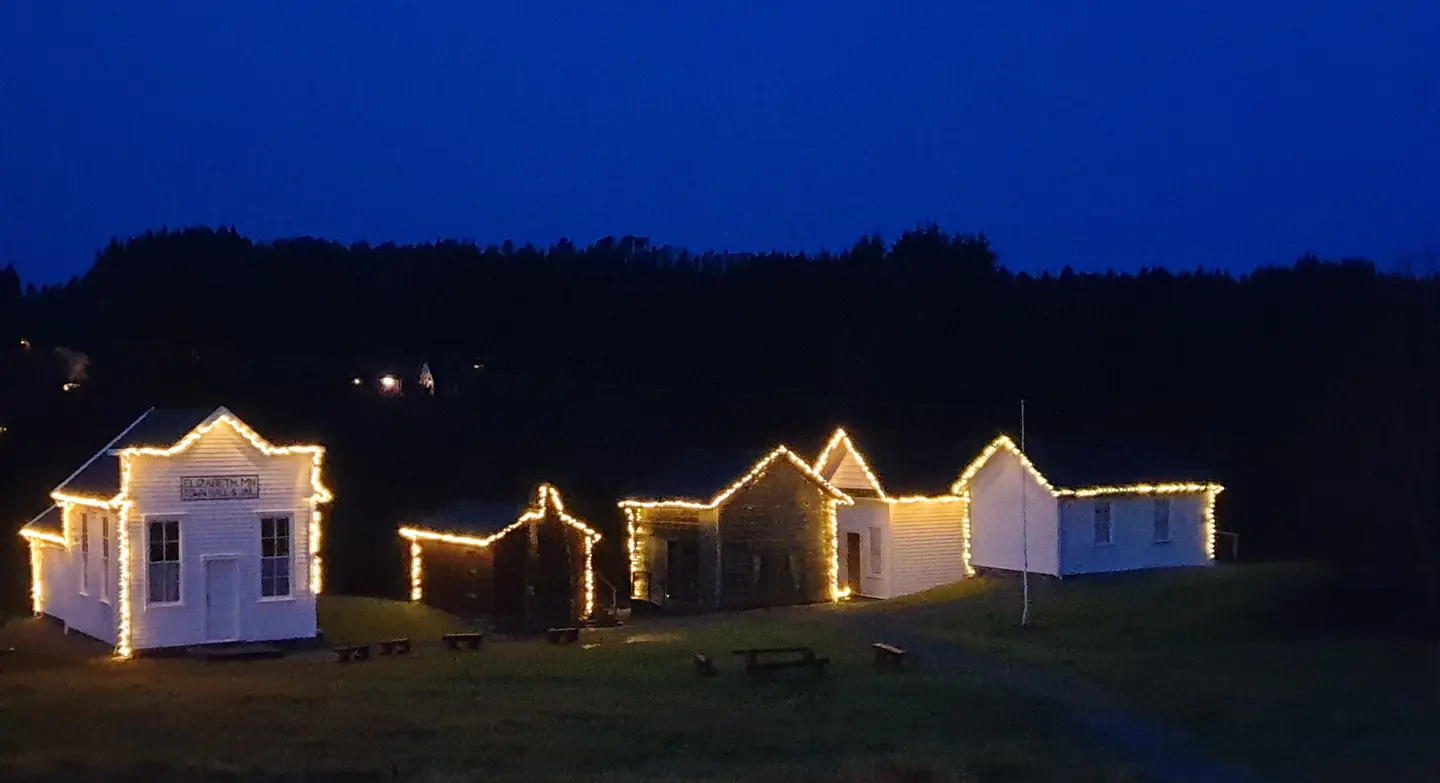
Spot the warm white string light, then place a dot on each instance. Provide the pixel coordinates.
(634, 512)
(122, 503)
(1209, 489)
(37, 586)
(842, 438)
(547, 499)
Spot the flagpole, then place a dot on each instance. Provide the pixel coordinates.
(1024, 532)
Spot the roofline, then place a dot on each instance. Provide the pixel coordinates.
(841, 436)
(1145, 488)
(1139, 488)
(546, 498)
(105, 451)
(1001, 441)
(755, 472)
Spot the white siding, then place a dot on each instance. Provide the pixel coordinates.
(996, 521)
(867, 513)
(60, 573)
(220, 527)
(1132, 519)
(927, 546)
(847, 473)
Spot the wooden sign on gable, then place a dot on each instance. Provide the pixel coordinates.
(219, 487)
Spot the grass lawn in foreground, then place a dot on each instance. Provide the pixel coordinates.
(527, 710)
(1230, 653)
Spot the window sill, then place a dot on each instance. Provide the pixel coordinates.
(276, 599)
(1104, 544)
(1162, 543)
(165, 605)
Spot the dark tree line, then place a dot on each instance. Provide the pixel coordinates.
(1310, 390)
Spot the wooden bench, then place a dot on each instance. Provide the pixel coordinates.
(468, 641)
(395, 647)
(354, 652)
(888, 655)
(765, 661)
(563, 635)
(704, 667)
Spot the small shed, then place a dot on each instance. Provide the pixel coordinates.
(521, 567)
(892, 543)
(1107, 504)
(734, 530)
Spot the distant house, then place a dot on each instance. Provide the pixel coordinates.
(187, 528)
(892, 544)
(1124, 510)
(518, 566)
(735, 530)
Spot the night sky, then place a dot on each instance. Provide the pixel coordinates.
(1095, 134)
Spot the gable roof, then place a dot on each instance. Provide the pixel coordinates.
(704, 479)
(482, 524)
(699, 473)
(926, 471)
(48, 525)
(169, 432)
(469, 516)
(1091, 465)
(156, 428)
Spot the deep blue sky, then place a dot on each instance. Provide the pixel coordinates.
(1095, 134)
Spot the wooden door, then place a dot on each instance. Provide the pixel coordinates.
(852, 562)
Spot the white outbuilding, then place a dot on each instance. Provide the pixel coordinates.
(892, 544)
(1111, 518)
(188, 528)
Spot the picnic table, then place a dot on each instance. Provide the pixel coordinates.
(763, 661)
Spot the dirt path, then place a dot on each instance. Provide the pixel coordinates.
(1160, 751)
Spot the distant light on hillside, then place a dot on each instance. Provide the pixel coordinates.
(70, 387)
(389, 384)
(356, 381)
(25, 344)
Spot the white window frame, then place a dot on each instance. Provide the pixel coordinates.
(84, 553)
(1161, 511)
(105, 558)
(1109, 519)
(179, 562)
(877, 551)
(289, 557)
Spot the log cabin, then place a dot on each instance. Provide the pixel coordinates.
(734, 530)
(515, 566)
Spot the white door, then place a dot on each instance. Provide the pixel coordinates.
(222, 600)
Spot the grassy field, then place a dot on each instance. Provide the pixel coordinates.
(349, 619)
(1240, 656)
(623, 705)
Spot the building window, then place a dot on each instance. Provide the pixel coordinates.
(84, 553)
(877, 563)
(105, 559)
(1104, 529)
(163, 576)
(1162, 520)
(274, 557)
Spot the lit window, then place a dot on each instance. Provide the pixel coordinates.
(163, 576)
(84, 553)
(274, 557)
(1104, 529)
(876, 542)
(1162, 520)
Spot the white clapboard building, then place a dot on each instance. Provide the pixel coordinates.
(894, 540)
(188, 528)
